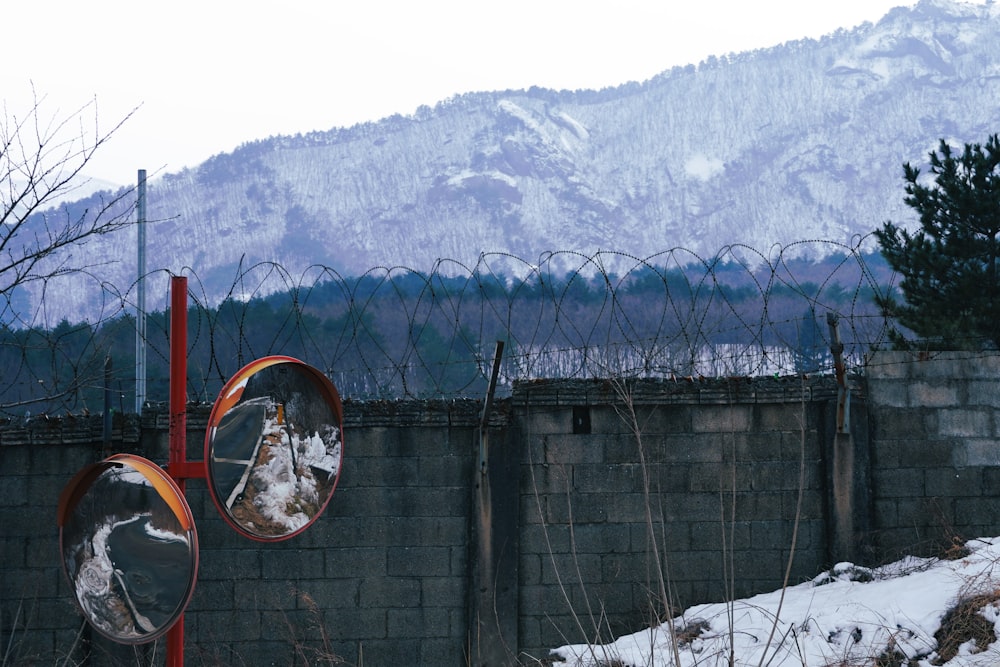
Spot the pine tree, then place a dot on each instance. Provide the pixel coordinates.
(948, 268)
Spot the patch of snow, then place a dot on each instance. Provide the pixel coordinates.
(523, 115)
(578, 129)
(465, 175)
(286, 482)
(849, 616)
(703, 167)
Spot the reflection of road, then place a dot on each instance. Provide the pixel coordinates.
(234, 449)
(152, 572)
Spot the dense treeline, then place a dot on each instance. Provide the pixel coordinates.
(404, 333)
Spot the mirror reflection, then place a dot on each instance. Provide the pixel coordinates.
(129, 548)
(274, 447)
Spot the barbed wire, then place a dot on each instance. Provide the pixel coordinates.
(398, 332)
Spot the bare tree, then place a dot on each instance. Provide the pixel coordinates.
(43, 159)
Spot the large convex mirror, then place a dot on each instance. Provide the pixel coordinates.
(274, 447)
(129, 547)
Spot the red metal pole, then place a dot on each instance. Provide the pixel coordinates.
(178, 376)
(177, 460)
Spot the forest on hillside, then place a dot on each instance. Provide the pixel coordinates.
(401, 334)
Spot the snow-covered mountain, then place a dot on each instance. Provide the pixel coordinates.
(801, 141)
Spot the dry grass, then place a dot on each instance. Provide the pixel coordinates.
(963, 623)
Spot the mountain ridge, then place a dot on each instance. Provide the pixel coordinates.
(804, 140)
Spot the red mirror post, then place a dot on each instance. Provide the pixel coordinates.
(178, 467)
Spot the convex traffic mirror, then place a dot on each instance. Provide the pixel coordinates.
(129, 547)
(273, 448)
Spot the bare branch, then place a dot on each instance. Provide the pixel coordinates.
(42, 159)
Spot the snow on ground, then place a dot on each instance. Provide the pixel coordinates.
(288, 491)
(851, 616)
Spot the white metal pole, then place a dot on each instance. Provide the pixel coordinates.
(140, 315)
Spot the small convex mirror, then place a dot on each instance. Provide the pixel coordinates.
(273, 448)
(129, 547)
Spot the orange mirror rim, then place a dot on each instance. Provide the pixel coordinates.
(231, 394)
(168, 491)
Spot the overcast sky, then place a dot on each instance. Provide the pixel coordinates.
(209, 75)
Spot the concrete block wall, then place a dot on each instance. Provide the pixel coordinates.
(710, 483)
(592, 510)
(34, 592)
(936, 458)
(38, 621)
(380, 578)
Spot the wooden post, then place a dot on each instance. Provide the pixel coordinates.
(493, 567)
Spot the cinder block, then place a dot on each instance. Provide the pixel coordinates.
(812, 506)
(347, 562)
(694, 565)
(387, 592)
(438, 471)
(418, 562)
(340, 594)
(886, 393)
(265, 594)
(983, 392)
(763, 563)
(942, 394)
(899, 483)
(975, 452)
(236, 625)
(613, 599)
(672, 418)
(776, 417)
(756, 505)
(922, 512)
(667, 478)
(605, 478)
(721, 418)
(674, 536)
(775, 475)
(446, 651)
(428, 502)
(419, 622)
(768, 535)
(707, 477)
(214, 595)
(546, 478)
(14, 492)
(579, 508)
(896, 424)
(572, 569)
(291, 563)
(387, 471)
(705, 447)
(953, 482)
(977, 516)
(570, 449)
(545, 421)
(754, 446)
(355, 627)
(991, 480)
(42, 552)
(719, 535)
(689, 507)
(436, 442)
(445, 592)
(885, 513)
(626, 507)
(969, 423)
(228, 564)
(601, 539)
